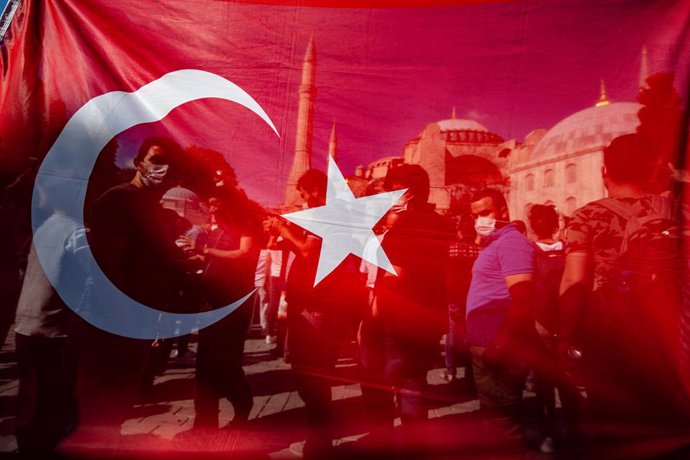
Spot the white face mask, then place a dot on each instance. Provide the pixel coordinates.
(484, 225)
(154, 175)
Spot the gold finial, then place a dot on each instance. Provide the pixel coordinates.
(452, 115)
(603, 100)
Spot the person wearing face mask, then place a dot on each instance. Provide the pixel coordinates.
(400, 333)
(311, 322)
(132, 239)
(500, 321)
(134, 244)
(230, 256)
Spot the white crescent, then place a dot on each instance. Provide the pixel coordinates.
(72, 158)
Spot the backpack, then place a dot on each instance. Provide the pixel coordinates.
(548, 271)
(650, 261)
(639, 314)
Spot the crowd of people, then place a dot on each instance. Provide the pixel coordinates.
(587, 316)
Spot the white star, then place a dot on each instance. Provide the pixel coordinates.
(345, 224)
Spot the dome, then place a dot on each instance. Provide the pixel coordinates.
(187, 204)
(181, 194)
(459, 124)
(591, 128)
(460, 130)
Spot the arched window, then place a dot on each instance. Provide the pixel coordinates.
(570, 173)
(549, 178)
(570, 205)
(529, 182)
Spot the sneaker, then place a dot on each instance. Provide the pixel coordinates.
(319, 448)
(547, 446)
(531, 382)
(187, 359)
(448, 377)
(271, 339)
(297, 449)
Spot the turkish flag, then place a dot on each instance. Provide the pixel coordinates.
(518, 96)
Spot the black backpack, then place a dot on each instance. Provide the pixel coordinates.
(547, 275)
(649, 267)
(639, 313)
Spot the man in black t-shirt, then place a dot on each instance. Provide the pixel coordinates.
(136, 250)
(312, 318)
(399, 337)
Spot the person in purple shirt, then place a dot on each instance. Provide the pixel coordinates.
(500, 320)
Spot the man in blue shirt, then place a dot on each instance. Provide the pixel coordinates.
(500, 322)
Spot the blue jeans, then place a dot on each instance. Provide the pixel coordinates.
(275, 286)
(46, 403)
(219, 371)
(313, 354)
(393, 360)
(455, 339)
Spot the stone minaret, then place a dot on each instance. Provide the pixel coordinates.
(644, 67)
(333, 145)
(305, 126)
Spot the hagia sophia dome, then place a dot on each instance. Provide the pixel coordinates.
(459, 155)
(588, 129)
(464, 130)
(186, 203)
(563, 168)
(460, 124)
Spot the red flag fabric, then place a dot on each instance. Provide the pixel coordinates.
(520, 97)
(484, 60)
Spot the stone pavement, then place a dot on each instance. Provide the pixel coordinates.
(160, 426)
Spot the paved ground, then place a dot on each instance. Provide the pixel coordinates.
(161, 425)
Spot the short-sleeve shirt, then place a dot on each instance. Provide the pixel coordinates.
(330, 294)
(598, 231)
(414, 302)
(226, 280)
(506, 252)
(133, 240)
(418, 243)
